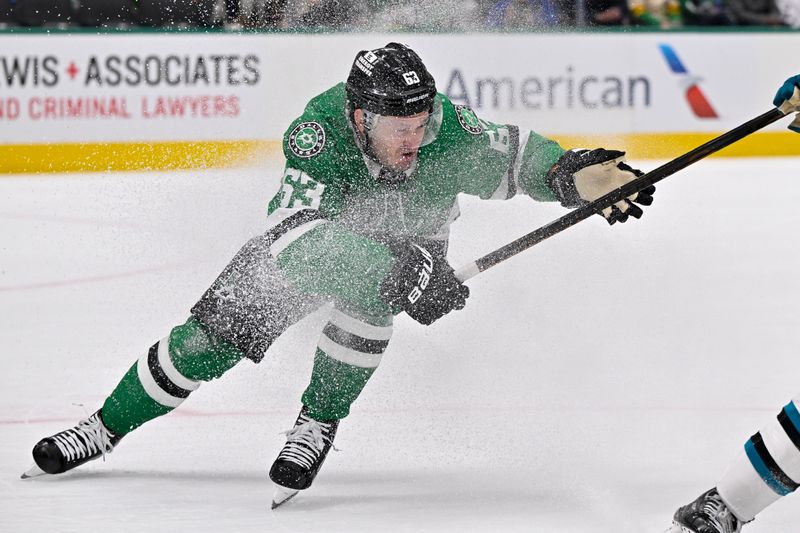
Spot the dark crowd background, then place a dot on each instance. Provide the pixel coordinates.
(399, 15)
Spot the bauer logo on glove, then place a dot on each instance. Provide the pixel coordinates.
(425, 271)
(423, 286)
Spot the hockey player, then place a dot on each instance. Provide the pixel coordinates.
(769, 465)
(361, 220)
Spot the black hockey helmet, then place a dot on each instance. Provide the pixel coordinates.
(390, 81)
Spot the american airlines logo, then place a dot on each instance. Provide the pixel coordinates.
(695, 97)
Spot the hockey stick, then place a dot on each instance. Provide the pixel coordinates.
(573, 217)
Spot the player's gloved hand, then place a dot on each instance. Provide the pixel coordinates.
(788, 100)
(581, 176)
(423, 285)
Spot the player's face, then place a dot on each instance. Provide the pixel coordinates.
(396, 140)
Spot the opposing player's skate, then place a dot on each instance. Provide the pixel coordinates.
(64, 451)
(707, 514)
(307, 446)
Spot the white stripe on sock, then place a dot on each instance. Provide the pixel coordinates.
(151, 387)
(782, 449)
(347, 355)
(169, 369)
(359, 327)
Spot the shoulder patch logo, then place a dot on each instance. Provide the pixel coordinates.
(307, 139)
(468, 120)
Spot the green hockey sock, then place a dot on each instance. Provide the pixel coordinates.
(164, 377)
(334, 387)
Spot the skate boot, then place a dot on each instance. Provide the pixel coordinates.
(64, 451)
(707, 514)
(307, 445)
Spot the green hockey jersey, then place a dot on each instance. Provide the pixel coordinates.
(334, 223)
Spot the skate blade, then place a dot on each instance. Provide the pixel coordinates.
(677, 528)
(282, 495)
(32, 472)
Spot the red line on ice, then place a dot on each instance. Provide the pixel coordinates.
(183, 412)
(90, 279)
(76, 220)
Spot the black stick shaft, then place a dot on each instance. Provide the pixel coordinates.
(630, 188)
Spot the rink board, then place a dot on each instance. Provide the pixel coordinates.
(122, 101)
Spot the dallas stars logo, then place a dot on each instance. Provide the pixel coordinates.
(307, 139)
(468, 120)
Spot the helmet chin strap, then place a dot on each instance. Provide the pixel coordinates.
(391, 176)
(369, 120)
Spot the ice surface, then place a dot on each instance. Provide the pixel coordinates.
(592, 384)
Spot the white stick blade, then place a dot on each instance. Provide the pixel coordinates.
(675, 528)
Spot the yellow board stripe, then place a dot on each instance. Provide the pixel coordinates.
(103, 157)
(671, 145)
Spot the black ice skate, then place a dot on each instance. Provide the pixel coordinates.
(707, 514)
(64, 451)
(307, 445)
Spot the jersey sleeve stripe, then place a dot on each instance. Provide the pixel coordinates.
(524, 136)
(292, 235)
(514, 148)
(508, 185)
(285, 219)
(443, 234)
(292, 227)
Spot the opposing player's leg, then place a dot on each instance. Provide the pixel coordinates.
(707, 514)
(349, 351)
(769, 465)
(767, 468)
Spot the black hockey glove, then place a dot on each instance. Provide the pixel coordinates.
(582, 176)
(423, 286)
